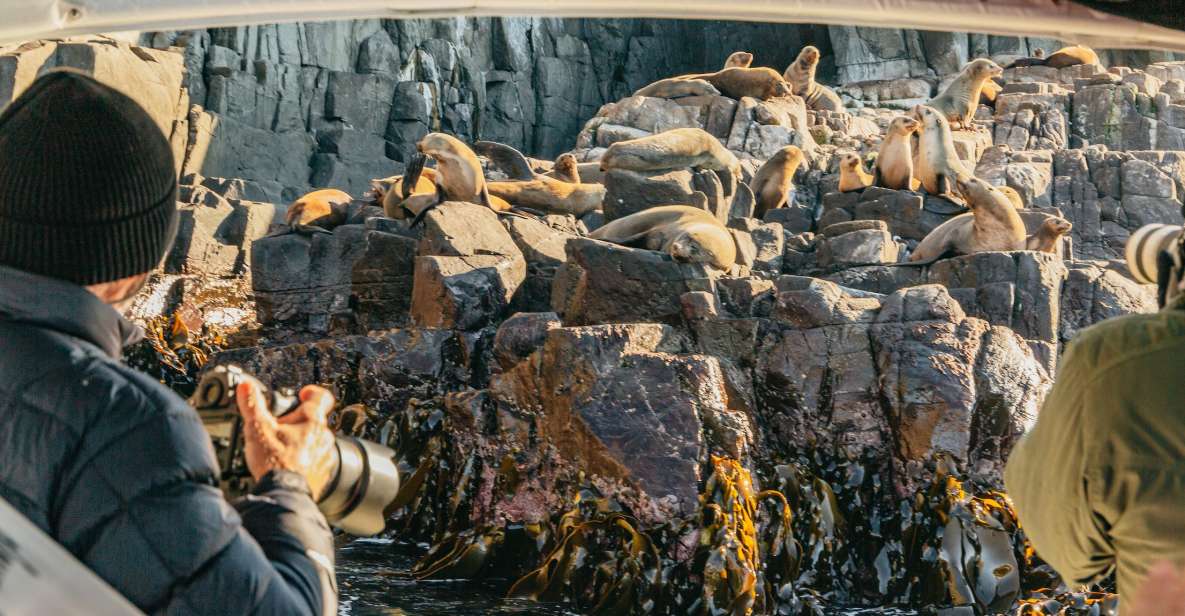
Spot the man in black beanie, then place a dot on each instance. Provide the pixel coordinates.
(107, 461)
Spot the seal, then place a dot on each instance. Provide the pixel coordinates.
(936, 165)
(529, 189)
(1048, 235)
(1072, 55)
(992, 224)
(673, 149)
(388, 192)
(894, 161)
(566, 169)
(961, 96)
(987, 95)
(678, 87)
(1013, 196)
(737, 82)
(318, 211)
(686, 233)
(852, 175)
(801, 76)
(458, 172)
(773, 184)
(741, 59)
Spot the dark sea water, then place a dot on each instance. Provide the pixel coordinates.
(374, 577)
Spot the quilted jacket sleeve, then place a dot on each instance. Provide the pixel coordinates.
(140, 506)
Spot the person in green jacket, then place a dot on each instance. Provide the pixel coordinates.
(1099, 481)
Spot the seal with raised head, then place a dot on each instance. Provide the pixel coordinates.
(566, 169)
(1047, 236)
(852, 175)
(961, 96)
(801, 76)
(678, 87)
(1072, 55)
(992, 224)
(936, 165)
(532, 190)
(318, 211)
(673, 149)
(686, 233)
(773, 184)
(741, 59)
(458, 171)
(894, 161)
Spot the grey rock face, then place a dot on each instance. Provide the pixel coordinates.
(628, 192)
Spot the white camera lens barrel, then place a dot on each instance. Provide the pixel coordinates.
(366, 481)
(1144, 247)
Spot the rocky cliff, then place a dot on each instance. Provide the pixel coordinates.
(611, 427)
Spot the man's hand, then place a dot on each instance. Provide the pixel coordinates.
(1163, 593)
(300, 441)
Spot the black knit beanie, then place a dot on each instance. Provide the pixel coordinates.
(87, 185)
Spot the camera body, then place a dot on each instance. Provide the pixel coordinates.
(365, 479)
(1155, 253)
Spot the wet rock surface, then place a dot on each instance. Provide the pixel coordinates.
(815, 424)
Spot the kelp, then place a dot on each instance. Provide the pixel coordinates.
(174, 352)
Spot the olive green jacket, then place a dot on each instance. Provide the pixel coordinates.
(1099, 482)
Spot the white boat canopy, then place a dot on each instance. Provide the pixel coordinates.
(22, 20)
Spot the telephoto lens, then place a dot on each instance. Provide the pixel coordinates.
(1147, 248)
(366, 479)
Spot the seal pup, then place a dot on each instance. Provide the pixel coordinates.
(1072, 55)
(936, 165)
(992, 224)
(317, 211)
(531, 189)
(801, 76)
(672, 149)
(961, 96)
(678, 87)
(852, 175)
(894, 161)
(773, 184)
(740, 59)
(1048, 235)
(686, 233)
(566, 169)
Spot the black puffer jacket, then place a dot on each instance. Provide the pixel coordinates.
(119, 470)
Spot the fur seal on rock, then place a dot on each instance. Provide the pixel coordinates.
(987, 95)
(773, 184)
(1066, 56)
(961, 97)
(801, 76)
(533, 190)
(737, 82)
(673, 149)
(317, 211)
(1013, 196)
(686, 233)
(459, 176)
(1048, 235)
(992, 224)
(566, 169)
(894, 161)
(852, 175)
(741, 59)
(678, 87)
(936, 165)
(388, 192)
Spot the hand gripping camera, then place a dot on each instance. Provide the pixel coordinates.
(366, 478)
(1156, 254)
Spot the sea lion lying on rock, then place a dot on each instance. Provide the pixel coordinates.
(678, 87)
(1048, 235)
(532, 190)
(736, 82)
(894, 161)
(740, 59)
(773, 184)
(318, 211)
(388, 192)
(1066, 56)
(961, 97)
(852, 175)
(801, 76)
(673, 149)
(991, 225)
(686, 233)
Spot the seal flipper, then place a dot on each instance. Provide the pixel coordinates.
(507, 159)
(411, 174)
(420, 217)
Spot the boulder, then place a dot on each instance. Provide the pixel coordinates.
(543, 248)
(520, 335)
(1092, 293)
(627, 192)
(840, 246)
(465, 293)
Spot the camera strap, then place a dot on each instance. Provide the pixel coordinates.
(38, 576)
